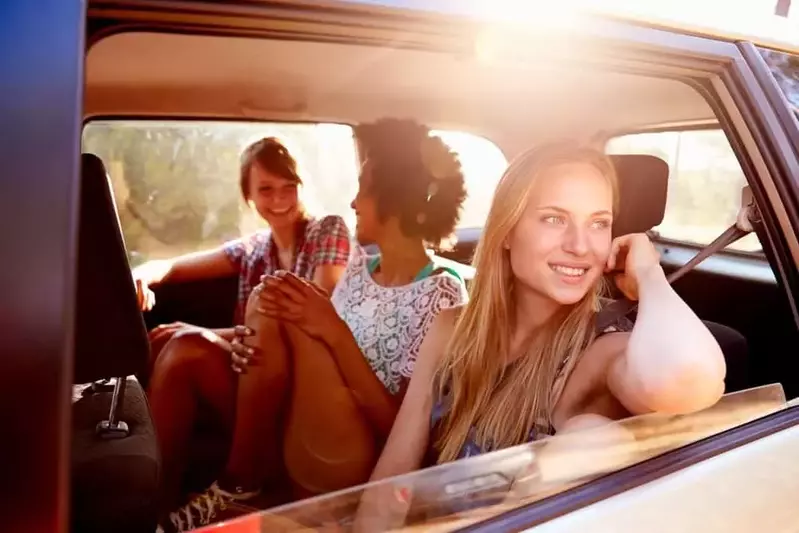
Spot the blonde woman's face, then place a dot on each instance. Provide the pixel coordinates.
(561, 244)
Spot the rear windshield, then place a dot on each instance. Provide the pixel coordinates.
(176, 182)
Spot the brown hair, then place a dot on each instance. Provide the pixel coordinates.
(272, 156)
(415, 177)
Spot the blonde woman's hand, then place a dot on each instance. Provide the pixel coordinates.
(632, 258)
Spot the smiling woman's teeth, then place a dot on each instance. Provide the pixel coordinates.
(568, 271)
(281, 211)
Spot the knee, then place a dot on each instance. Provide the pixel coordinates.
(183, 353)
(254, 318)
(266, 330)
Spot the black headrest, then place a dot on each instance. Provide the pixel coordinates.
(110, 338)
(643, 182)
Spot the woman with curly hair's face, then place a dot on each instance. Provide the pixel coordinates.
(368, 226)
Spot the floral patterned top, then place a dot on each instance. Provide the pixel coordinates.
(389, 323)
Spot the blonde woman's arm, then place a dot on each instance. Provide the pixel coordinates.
(670, 362)
(410, 435)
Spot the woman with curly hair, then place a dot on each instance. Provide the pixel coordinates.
(320, 379)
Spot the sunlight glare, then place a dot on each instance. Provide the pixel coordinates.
(740, 17)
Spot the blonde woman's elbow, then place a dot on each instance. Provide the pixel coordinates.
(687, 384)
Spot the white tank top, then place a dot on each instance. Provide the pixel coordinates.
(389, 323)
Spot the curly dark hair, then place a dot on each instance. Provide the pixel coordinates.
(414, 176)
(272, 156)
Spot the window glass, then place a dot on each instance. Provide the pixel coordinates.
(705, 182)
(176, 183)
(785, 68)
(462, 493)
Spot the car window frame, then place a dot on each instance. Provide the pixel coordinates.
(788, 118)
(776, 120)
(615, 483)
(744, 111)
(756, 134)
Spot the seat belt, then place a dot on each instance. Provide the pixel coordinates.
(748, 217)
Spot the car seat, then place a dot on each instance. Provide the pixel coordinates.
(115, 463)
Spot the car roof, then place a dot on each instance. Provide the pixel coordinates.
(750, 20)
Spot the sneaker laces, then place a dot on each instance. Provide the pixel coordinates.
(202, 508)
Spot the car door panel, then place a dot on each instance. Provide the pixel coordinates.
(208, 303)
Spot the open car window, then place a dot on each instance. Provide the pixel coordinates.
(468, 491)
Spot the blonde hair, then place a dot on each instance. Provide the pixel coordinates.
(473, 378)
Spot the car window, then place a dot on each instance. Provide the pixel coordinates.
(785, 68)
(176, 183)
(705, 182)
(464, 492)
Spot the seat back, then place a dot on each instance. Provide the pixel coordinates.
(110, 338)
(643, 186)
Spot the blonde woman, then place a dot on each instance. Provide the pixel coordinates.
(522, 360)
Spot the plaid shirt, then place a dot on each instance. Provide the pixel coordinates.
(324, 241)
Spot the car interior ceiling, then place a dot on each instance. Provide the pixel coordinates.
(145, 74)
(183, 76)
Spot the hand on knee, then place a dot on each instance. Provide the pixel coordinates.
(260, 352)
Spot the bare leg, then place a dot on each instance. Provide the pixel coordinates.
(328, 443)
(156, 347)
(255, 455)
(191, 370)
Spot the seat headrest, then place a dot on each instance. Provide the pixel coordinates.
(110, 338)
(643, 183)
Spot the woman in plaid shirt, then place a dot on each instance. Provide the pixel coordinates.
(312, 249)
(321, 378)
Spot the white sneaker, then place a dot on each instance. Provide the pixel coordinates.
(205, 508)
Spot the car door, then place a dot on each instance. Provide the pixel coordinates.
(43, 56)
(41, 61)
